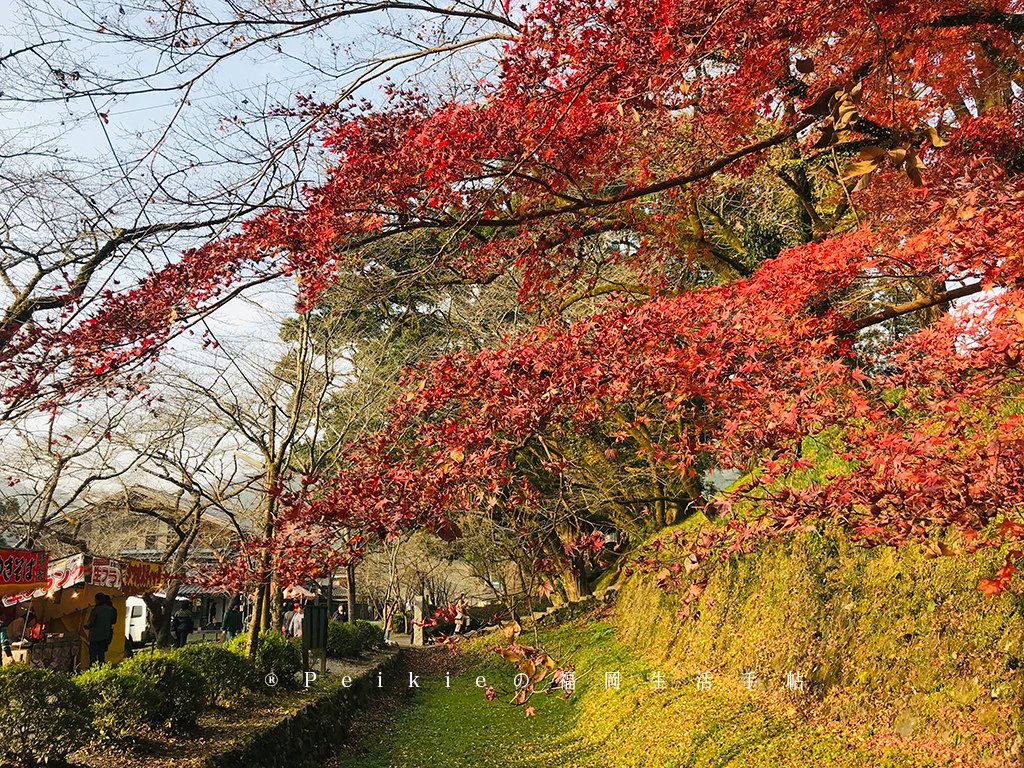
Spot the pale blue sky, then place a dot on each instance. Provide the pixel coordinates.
(103, 153)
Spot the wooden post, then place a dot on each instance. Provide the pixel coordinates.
(330, 595)
(305, 648)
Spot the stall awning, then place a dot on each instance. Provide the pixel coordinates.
(129, 577)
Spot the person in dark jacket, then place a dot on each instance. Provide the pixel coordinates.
(101, 628)
(182, 625)
(232, 623)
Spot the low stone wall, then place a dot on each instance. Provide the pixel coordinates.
(561, 613)
(308, 736)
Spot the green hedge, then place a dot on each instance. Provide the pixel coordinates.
(372, 636)
(274, 653)
(44, 716)
(347, 641)
(47, 715)
(123, 702)
(342, 640)
(165, 691)
(316, 732)
(182, 690)
(228, 675)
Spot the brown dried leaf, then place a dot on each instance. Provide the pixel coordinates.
(862, 183)
(512, 630)
(846, 114)
(691, 563)
(898, 156)
(936, 140)
(858, 168)
(872, 153)
(938, 549)
(913, 168)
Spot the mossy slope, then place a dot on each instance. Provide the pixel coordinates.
(908, 666)
(634, 726)
(895, 645)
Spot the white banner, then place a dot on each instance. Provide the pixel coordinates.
(105, 573)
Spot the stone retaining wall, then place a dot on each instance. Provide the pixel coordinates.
(558, 614)
(314, 732)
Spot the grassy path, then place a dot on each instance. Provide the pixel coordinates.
(633, 727)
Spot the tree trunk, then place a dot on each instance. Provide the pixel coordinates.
(387, 616)
(160, 610)
(574, 579)
(350, 572)
(276, 596)
(256, 621)
(265, 608)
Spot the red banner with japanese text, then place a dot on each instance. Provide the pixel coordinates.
(22, 570)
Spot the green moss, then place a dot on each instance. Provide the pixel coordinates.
(883, 635)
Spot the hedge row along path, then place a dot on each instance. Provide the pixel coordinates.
(226, 736)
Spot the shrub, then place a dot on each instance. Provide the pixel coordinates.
(44, 716)
(346, 641)
(123, 702)
(227, 674)
(343, 640)
(182, 690)
(371, 636)
(238, 643)
(274, 653)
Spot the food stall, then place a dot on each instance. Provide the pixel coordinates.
(49, 628)
(21, 570)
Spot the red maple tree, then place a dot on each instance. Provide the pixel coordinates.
(614, 124)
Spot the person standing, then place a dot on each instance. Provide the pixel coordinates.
(182, 625)
(232, 623)
(286, 620)
(295, 626)
(5, 645)
(101, 628)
